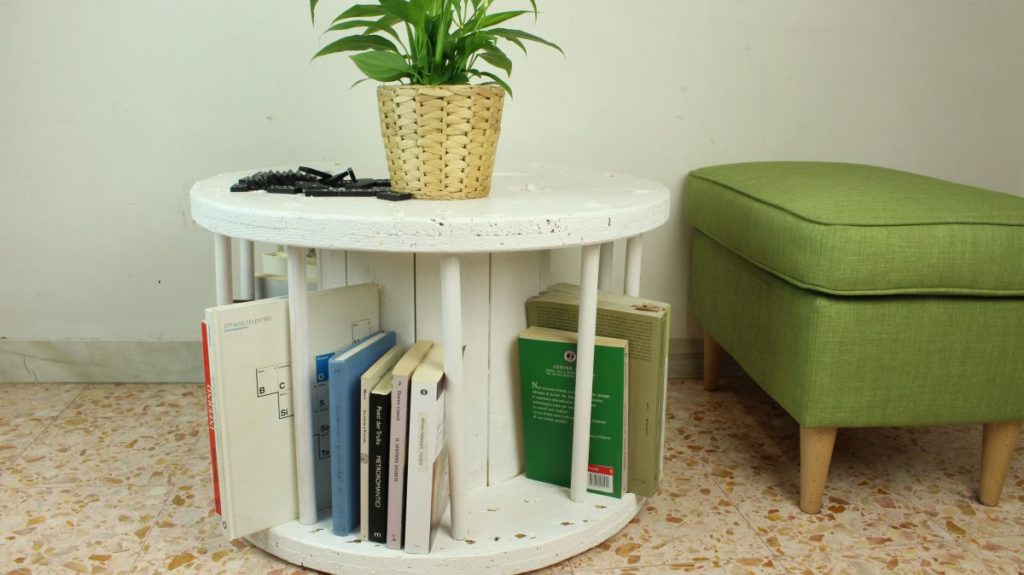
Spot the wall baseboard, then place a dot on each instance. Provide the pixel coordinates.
(101, 361)
(686, 360)
(181, 361)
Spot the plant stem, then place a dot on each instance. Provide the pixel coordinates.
(442, 31)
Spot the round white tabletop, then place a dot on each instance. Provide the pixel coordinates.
(530, 207)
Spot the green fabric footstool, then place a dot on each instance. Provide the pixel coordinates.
(860, 296)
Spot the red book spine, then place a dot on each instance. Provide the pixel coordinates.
(209, 420)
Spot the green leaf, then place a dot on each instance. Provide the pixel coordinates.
(516, 41)
(384, 24)
(509, 34)
(353, 24)
(473, 43)
(494, 78)
(499, 17)
(399, 9)
(312, 10)
(359, 11)
(495, 57)
(355, 43)
(429, 41)
(382, 66)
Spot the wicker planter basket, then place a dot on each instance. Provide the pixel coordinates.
(441, 140)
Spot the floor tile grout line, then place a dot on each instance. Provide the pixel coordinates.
(746, 520)
(46, 427)
(172, 487)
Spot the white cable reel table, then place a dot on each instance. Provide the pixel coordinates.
(511, 526)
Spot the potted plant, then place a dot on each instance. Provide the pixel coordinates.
(440, 132)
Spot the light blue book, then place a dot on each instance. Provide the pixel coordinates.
(345, 369)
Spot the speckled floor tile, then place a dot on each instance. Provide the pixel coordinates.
(856, 512)
(38, 399)
(17, 433)
(756, 462)
(963, 517)
(80, 528)
(999, 554)
(942, 480)
(114, 450)
(562, 568)
(939, 558)
(187, 536)
(746, 567)
(687, 521)
(151, 400)
(120, 482)
(229, 560)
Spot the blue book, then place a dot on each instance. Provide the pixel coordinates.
(344, 370)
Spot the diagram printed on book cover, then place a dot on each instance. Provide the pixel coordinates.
(275, 381)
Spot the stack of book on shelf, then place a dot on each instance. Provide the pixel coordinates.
(407, 461)
(379, 436)
(630, 377)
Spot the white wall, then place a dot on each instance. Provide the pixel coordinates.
(109, 109)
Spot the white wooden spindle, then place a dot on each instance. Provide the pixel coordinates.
(634, 258)
(451, 336)
(544, 268)
(246, 270)
(589, 271)
(298, 316)
(222, 268)
(605, 274)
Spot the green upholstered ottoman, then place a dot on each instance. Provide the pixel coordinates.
(861, 296)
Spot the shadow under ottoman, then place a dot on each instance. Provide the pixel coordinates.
(860, 296)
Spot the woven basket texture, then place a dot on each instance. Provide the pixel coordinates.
(441, 140)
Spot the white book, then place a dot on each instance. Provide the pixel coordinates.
(367, 381)
(398, 449)
(250, 371)
(426, 487)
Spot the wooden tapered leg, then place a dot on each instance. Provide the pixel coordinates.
(816, 445)
(712, 362)
(997, 445)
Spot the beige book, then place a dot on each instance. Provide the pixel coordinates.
(426, 487)
(645, 324)
(399, 436)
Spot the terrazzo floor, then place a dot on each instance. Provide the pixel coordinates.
(114, 479)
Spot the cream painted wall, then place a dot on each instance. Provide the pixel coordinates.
(109, 109)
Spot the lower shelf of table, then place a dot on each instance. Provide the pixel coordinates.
(516, 526)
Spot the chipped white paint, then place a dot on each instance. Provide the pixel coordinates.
(531, 207)
(514, 527)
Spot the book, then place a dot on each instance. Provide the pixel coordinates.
(380, 442)
(426, 487)
(209, 417)
(547, 367)
(370, 378)
(345, 371)
(399, 434)
(645, 324)
(250, 372)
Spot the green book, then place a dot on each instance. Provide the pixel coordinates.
(645, 324)
(547, 369)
